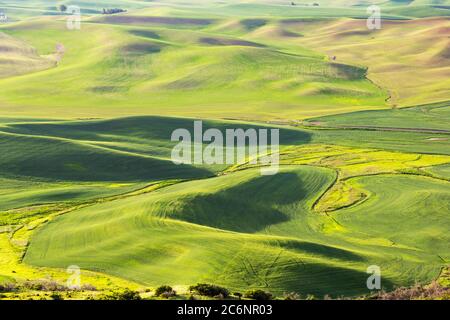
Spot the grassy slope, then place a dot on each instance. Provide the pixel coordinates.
(432, 117)
(420, 205)
(178, 61)
(24, 193)
(144, 69)
(281, 246)
(409, 58)
(442, 171)
(73, 161)
(135, 149)
(17, 57)
(18, 10)
(213, 218)
(394, 141)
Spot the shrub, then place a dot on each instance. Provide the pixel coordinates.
(209, 290)
(238, 295)
(418, 291)
(165, 291)
(44, 285)
(33, 285)
(113, 11)
(56, 296)
(128, 294)
(258, 295)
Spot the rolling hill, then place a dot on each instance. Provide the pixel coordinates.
(86, 118)
(215, 232)
(171, 71)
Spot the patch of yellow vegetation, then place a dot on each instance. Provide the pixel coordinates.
(444, 277)
(342, 194)
(14, 240)
(11, 266)
(353, 162)
(119, 185)
(428, 160)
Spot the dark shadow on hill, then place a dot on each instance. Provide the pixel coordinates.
(320, 249)
(248, 207)
(52, 159)
(124, 149)
(252, 24)
(229, 42)
(145, 34)
(141, 48)
(322, 279)
(142, 127)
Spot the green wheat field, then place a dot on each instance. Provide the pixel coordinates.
(86, 176)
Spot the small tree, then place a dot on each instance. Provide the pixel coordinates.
(63, 8)
(165, 291)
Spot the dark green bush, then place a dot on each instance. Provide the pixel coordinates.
(258, 295)
(209, 290)
(56, 296)
(165, 291)
(127, 294)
